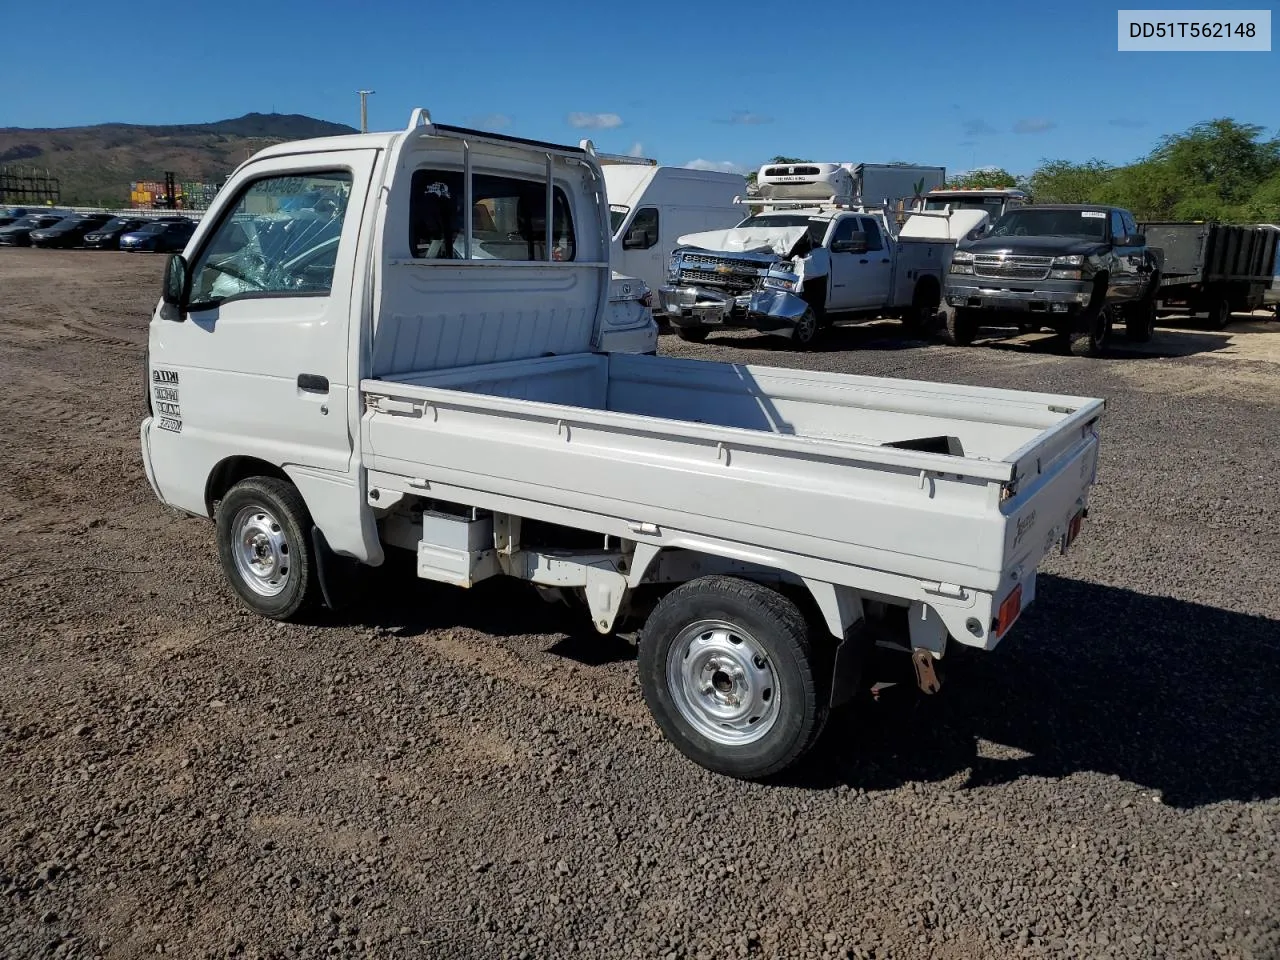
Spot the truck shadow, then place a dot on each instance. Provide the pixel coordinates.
(870, 335)
(1164, 344)
(1169, 695)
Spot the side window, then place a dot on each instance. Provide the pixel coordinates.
(643, 232)
(508, 218)
(1117, 225)
(872, 229)
(280, 238)
(845, 230)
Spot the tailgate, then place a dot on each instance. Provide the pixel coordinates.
(1045, 501)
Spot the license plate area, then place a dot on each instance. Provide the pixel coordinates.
(709, 313)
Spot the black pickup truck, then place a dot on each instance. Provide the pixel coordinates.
(1076, 268)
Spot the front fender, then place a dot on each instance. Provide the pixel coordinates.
(779, 304)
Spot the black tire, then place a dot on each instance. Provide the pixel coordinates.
(960, 326)
(1220, 314)
(807, 329)
(691, 334)
(273, 514)
(1092, 336)
(1140, 321)
(768, 628)
(922, 316)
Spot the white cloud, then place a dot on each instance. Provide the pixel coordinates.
(748, 119)
(724, 166)
(595, 121)
(1033, 125)
(637, 150)
(490, 121)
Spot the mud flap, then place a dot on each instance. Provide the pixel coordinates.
(329, 570)
(850, 664)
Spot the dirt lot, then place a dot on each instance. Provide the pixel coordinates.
(440, 773)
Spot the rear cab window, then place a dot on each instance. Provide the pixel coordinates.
(508, 218)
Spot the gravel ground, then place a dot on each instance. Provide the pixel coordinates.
(442, 773)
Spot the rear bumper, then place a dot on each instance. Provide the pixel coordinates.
(1063, 296)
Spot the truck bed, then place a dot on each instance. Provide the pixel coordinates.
(943, 482)
(1212, 252)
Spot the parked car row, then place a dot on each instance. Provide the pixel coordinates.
(95, 231)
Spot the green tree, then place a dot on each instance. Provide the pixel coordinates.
(1226, 157)
(987, 177)
(1061, 181)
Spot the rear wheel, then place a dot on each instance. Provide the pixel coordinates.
(264, 547)
(960, 326)
(1140, 321)
(728, 673)
(920, 319)
(691, 334)
(1220, 314)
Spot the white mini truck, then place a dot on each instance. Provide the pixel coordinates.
(416, 367)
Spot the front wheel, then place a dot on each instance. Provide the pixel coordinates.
(1093, 337)
(1140, 321)
(727, 672)
(264, 547)
(806, 329)
(960, 326)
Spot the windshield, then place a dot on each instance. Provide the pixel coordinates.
(1030, 222)
(616, 215)
(154, 228)
(117, 224)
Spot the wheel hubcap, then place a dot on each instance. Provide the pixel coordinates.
(722, 683)
(262, 551)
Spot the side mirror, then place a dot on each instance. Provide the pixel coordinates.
(857, 243)
(636, 239)
(1131, 240)
(177, 281)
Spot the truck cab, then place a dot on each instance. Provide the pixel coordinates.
(993, 201)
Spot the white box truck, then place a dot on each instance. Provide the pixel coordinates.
(327, 392)
(651, 206)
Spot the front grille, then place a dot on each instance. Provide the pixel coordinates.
(737, 282)
(999, 267)
(711, 260)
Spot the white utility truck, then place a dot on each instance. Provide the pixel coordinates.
(812, 255)
(650, 206)
(993, 201)
(329, 392)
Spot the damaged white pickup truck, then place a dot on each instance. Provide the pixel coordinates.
(809, 258)
(422, 371)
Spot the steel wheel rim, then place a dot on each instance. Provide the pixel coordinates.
(262, 552)
(723, 683)
(806, 327)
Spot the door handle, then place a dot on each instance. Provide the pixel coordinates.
(313, 382)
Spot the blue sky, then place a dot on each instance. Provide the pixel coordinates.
(732, 84)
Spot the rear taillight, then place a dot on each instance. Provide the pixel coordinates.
(1009, 611)
(647, 299)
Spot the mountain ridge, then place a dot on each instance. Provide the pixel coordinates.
(96, 163)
